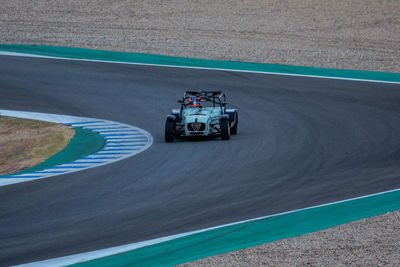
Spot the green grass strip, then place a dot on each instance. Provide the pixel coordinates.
(85, 142)
(252, 233)
(81, 53)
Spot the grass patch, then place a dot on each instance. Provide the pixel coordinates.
(25, 143)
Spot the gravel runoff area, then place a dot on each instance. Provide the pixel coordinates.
(352, 34)
(370, 242)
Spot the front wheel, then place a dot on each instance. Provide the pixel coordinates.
(225, 129)
(169, 131)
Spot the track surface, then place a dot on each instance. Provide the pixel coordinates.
(301, 142)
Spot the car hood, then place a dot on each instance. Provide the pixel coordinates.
(201, 114)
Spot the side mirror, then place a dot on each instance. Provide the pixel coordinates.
(180, 101)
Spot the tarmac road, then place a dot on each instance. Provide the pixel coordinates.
(301, 142)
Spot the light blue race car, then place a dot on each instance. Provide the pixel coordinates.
(201, 114)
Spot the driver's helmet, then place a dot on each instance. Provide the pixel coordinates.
(194, 101)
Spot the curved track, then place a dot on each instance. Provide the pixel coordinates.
(301, 142)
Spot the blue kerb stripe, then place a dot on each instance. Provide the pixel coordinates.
(87, 162)
(124, 142)
(87, 122)
(123, 145)
(115, 130)
(44, 172)
(136, 136)
(101, 157)
(104, 128)
(110, 154)
(130, 138)
(113, 153)
(127, 134)
(119, 149)
(111, 130)
(70, 167)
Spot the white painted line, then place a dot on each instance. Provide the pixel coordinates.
(32, 176)
(87, 256)
(200, 68)
(8, 181)
(26, 174)
(50, 171)
(105, 156)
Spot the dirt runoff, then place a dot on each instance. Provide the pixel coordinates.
(26, 143)
(351, 34)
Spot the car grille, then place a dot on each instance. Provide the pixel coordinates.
(196, 126)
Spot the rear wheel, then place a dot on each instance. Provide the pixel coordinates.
(225, 129)
(169, 131)
(234, 128)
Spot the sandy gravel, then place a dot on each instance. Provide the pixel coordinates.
(370, 242)
(351, 34)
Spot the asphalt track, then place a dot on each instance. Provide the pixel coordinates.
(301, 142)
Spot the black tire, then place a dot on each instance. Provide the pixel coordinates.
(234, 128)
(169, 131)
(225, 129)
(177, 116)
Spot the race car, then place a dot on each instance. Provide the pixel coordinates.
(202, 113)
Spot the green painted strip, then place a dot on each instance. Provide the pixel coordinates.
(252, 233)
(85, 142)
(81, 53)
